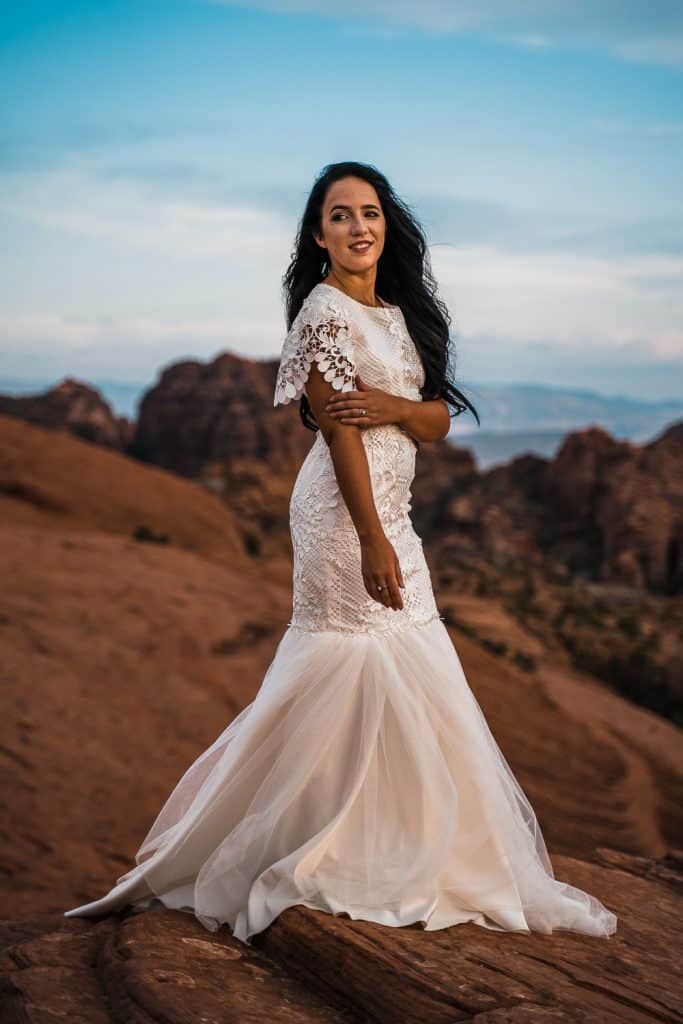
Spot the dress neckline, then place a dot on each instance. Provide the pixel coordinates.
(385, 306)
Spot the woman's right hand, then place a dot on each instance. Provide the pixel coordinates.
(379, 565)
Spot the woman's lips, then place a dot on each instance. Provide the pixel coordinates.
(360, 248)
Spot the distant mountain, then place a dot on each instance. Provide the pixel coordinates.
(74, 406)
(122, 396)
(515, 419)
(521, 418)
(528, 408)
(493, 449)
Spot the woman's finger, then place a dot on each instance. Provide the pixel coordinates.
(357, 421)
(345, 402)
(371, 587)
(349, 410)
(395, 594)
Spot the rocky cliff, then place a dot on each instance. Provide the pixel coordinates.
(584, 550)
(125, 652)
(73, 406)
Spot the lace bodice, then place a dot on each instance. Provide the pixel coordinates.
(343, 337)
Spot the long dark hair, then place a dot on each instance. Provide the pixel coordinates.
(404, 278)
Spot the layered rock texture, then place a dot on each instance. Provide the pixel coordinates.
(73, 406)
(145, 587)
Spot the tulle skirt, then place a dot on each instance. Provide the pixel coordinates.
(363, 778)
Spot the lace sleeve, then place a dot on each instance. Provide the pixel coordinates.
(320, 334)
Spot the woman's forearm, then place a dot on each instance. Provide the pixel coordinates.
(425, 421)
(353, 476)
(349, 460)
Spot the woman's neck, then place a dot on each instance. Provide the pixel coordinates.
(359, 294)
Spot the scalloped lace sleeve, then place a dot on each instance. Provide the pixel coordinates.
(320, 334)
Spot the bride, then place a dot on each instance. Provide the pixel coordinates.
(363, 778)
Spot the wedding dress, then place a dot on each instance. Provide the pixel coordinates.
(363, 778)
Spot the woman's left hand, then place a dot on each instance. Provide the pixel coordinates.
(380, 407)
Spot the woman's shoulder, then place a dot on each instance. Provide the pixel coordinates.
(326, 306)
(327, 297)
(321, 332)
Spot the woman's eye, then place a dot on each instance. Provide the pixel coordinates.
(370, 213)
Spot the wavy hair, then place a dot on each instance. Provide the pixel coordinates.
(404, 278)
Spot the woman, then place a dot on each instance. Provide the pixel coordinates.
(363, 778)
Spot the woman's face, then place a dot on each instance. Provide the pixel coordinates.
(352, 215)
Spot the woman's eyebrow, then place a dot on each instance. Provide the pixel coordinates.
(365, 206)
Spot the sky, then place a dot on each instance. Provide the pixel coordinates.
(155, 159)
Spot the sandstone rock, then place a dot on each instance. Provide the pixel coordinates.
(76, 407)
(200, 413)
(144, 968)
(308, 966)
(49, 478)
(623, 505)
(123, 660)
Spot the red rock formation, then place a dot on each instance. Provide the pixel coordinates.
(50, 479)
(123, 660)
(557, 541)
(311, 968)
(629, 499)
(201, 414)
(73, 406)
(601, 510)
(605, 510)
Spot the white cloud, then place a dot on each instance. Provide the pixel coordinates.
(530, 41)
(37, 331)
(570, 300)
(74, 198)
(150, 278)
(652, 51)
(116, 266)
(556, 302)
(632, 30)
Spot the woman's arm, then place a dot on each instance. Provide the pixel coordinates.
(379, 561)
(425, 421)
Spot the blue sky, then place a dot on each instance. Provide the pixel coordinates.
(155, 158)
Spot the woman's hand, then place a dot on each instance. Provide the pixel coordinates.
(380, 407)
(379, 565)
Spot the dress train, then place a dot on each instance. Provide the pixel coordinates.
(363, 778)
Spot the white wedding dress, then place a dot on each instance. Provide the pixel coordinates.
(363, 777)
